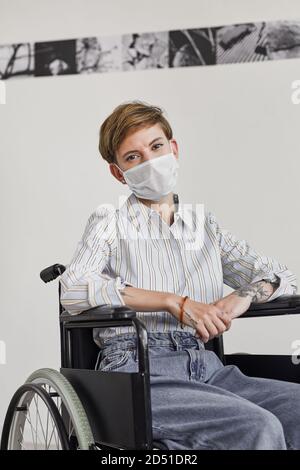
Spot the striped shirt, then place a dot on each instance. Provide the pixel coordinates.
(133, 246)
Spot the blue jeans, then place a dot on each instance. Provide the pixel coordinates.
(198, 403)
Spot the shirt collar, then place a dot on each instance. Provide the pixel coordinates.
(134, 207)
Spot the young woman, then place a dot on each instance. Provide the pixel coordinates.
(168, 262)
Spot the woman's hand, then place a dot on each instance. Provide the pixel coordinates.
(234, 305)
(208, 320)
(238, 302)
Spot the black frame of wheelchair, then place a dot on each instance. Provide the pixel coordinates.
(118, 404)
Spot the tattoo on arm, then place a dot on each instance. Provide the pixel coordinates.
(194, 322)
(259, 291)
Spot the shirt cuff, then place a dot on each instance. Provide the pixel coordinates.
(120, 285)
(106, 292)
(284, 288)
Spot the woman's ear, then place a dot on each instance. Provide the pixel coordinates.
(116, 173)
(174, 146)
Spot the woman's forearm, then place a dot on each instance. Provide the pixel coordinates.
(144, 300)
(260, 291)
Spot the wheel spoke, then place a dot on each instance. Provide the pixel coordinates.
(52, 432)
(39, 417)
(36, 423)
(47, 426)
(30, 424)
(48, 415)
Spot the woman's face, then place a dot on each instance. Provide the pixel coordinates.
(142, 145)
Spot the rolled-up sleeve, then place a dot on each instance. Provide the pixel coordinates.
(83, 283)
(242, 265)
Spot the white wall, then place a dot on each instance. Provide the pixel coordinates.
(239, 151)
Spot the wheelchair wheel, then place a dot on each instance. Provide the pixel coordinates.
(46, 413)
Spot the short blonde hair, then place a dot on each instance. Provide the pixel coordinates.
(126, 118)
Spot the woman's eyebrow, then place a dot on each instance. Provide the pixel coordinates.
(157, 138)
(131, 151)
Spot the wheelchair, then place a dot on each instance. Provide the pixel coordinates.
(83, 408)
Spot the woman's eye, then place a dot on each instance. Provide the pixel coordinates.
(130, 157)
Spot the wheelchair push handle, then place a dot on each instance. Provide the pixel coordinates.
(52, 272)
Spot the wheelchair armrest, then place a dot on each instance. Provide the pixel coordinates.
(105, 316)
(283, 305)
(99, 313)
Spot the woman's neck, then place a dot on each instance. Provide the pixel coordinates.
(165, 207)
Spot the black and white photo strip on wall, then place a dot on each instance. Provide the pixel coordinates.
(237, 43)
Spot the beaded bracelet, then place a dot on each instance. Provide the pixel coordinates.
(182, 311)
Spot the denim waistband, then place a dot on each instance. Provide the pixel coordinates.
(171, 340)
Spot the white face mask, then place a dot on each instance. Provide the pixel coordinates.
(154, 178)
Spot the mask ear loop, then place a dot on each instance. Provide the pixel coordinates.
(123, 180)
(172, 149)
